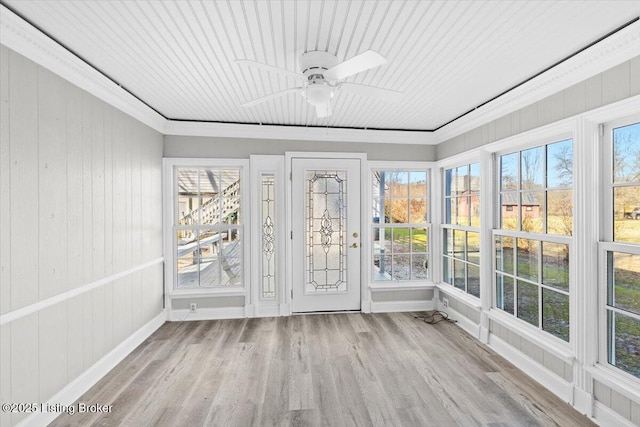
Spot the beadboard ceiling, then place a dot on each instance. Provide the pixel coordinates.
(448, 57)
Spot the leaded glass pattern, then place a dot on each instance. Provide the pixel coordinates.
(325, 222)
(268, 238)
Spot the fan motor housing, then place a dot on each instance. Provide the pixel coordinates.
(316, 63)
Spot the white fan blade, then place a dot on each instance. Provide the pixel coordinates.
(364, 61)
(272, 96)
(372, 91)
(276, 70)
(324, 110)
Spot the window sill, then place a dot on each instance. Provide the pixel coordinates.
(203, 293)
(458, 294)
(399, 286)
(556, 347)
(615, 380)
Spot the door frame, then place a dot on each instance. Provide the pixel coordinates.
(365, 300)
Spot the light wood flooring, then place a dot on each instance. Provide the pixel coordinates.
(326, 369)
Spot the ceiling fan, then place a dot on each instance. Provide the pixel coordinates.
(322, 75)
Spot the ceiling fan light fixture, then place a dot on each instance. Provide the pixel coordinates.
(318, 94)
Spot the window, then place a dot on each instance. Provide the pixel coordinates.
(461, 228)
(400, 225)
(207, 227)
(622, 249)
(533, 242)
(268, 215)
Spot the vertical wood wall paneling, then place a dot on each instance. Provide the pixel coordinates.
(5, 186)
(97, 184)
(87, 188)
(5, 371)
(75, 218)
(24, 362)
(23, 140)
(52, 184)
(53, 350)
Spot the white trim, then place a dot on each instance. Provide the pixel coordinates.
(75, 389)
(20, 36)
(550, 344)
(460, 295)
(208, 293)
(607, 417)
(399, 286)
(549, 380)
(583, 401)
(35, 307)
(267, 311)
(615, 49)
(616, 380)
(400, 306)
(462, 321)
(302, 133)
(184, 315)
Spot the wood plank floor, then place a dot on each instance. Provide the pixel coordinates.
(326, 369)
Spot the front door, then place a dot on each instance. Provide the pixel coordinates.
(326, 234)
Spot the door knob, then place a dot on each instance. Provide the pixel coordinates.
(354, 245)
(355, 234)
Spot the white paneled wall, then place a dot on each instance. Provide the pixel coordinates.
(80, 186)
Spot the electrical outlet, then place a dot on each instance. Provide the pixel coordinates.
(445, 302)
(192, 307)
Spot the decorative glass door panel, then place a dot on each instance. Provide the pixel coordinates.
(326, 227)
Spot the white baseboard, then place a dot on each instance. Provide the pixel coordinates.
(582, 401)
(267, 311)
(607, 417)
(398, 306)
(464, 322)
(551, 381)
(184, 315)
(95, 373)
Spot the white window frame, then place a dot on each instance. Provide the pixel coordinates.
(468, 160)
(399, 166)
(605, 245)
(169, 166)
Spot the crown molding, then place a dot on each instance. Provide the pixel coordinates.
(22, 37)
(607, 53)
(301, 133)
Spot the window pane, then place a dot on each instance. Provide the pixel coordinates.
(560, 212)
(555, 314)
(419, 266)
(474, 177)
(447, 270)
(473, 280)
(418, 184)
(509, 211)
(188, 210)
(473, 247)
(401, 267)
(532, 211)
(459, 243)
(462, 180)
(419, 242)
(448, 182)
(504, 293)
(463, 210)
(626, 153)
(626, 214)
(231, 254)
(509, 172)
(528, 259)
(401, 243)
(399, 183)
(448, 242)
(268, 237)
(458, 274)
(448, 210)
(474, 209)
(624, 342)
(555, 265)
(624, 282)
(504, 254)
(528, 302)
(381, 267)
(417, 211)
(398, 210)
(560, 164)
(378, 211)
(532, 175)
